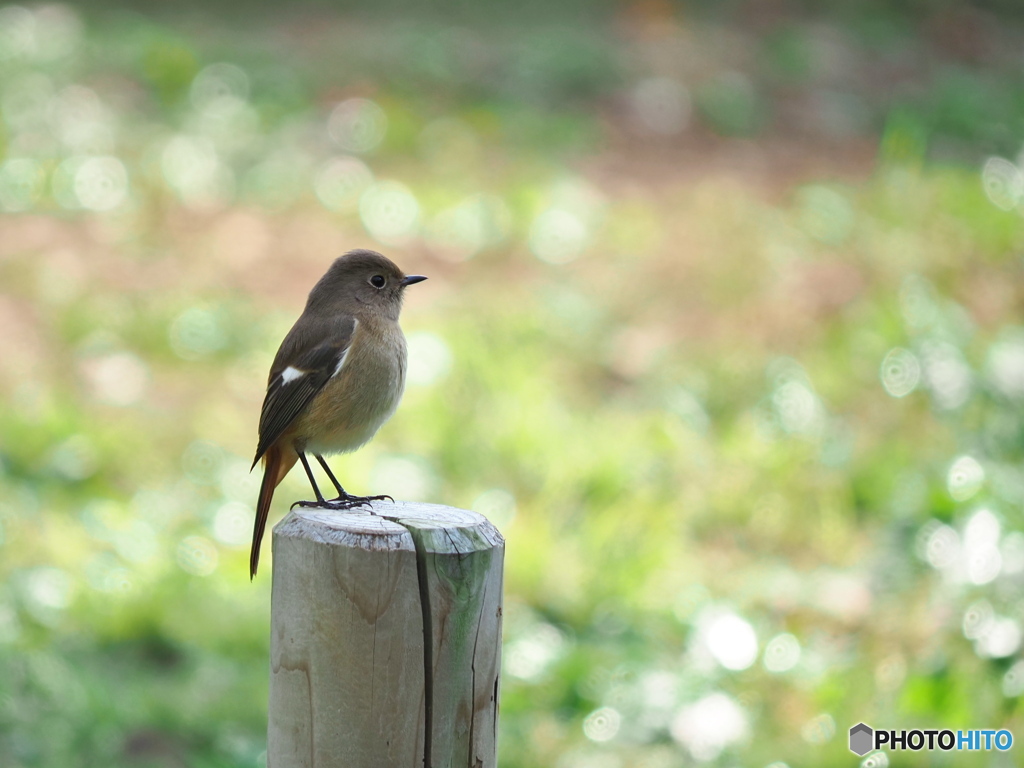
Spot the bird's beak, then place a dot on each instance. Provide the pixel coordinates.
(412, 279)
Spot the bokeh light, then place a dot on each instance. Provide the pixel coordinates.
(197, 555)
(193, 169)
(81, 122)
(875, 760)
(357, 125)
(602, 724)
(947, 374)
(47, 590)
(390, 212)
(1003, 183)
(1005, 363)
(529, 656)
(900, 372)
(981, 547)
(558, 236)
(232, 524)
(941, 545)
(730, 639)
(42, 33)
(201, 462)
(782, 653)
(797, 407)
(341, 181)
(196, 333)
(219, 87)
(119, 378)
(965, 478)
(709, 725)
(461, 231)
(430, 359)
(100, 183)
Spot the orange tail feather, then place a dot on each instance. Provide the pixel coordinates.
(276, 463)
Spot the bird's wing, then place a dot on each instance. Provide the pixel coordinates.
(300, 371)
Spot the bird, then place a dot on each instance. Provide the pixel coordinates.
(337, 377)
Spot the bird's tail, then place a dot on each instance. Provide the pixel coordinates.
(276, 463)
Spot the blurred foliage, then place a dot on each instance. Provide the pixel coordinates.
(723, 330)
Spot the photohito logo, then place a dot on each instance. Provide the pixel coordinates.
(864, 738)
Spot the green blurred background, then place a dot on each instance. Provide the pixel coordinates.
(724, 332)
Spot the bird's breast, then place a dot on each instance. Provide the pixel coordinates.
(363, 395)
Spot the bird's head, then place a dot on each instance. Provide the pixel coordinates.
(362, 283)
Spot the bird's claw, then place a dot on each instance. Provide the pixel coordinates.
(343, 502)
(312, 504)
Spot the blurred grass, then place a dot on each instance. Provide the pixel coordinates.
(718, 307)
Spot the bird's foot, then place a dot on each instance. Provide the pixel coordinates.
(343, 502)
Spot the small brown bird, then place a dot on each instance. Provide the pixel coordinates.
(336, 379)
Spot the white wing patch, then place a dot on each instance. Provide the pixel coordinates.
(344, 356)
(291, 373)
(341, 362)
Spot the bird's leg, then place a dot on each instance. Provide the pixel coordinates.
(320, 501)
(342, 493)
(344, 497)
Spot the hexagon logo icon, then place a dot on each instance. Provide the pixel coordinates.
(862, 739)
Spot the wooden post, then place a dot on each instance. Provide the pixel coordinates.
(385, 638)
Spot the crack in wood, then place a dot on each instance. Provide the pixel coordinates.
(472, 678)
(428, 638)
(428, 648)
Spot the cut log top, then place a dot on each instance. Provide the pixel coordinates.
(386, 526)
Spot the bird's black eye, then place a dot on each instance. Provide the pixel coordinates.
(377, 281)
